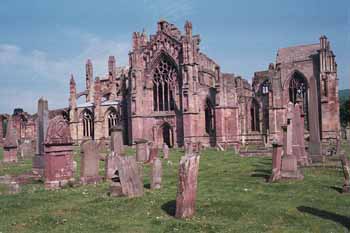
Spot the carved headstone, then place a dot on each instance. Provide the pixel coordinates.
(58, 154)
(156, 176)
(130, 182)
(41, 130)
(10, 143)
(117, 143)
(346, 171)
(289, 167)
(141, 150)
(90, 158)
(165, 151)
(187, 186)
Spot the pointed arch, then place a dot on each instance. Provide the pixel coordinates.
(165, 81)
(113, 118)
(87, 119)
(255, 115)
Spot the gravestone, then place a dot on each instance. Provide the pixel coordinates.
(110, 166)
(10, 143)
(188, 147)
(315, 148)
(90, 158)
(148, 150)
(26, 148)
(276, 161)
(129, 184)
(41, 130)
(346, 172)
(117, 143)
(156, 176)
(187, 186)
(165, 151)
(58, 154)
(289, 166)
(141, 150)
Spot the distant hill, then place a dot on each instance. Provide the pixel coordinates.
(344, 95)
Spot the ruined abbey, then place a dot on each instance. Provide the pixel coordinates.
(173, 93)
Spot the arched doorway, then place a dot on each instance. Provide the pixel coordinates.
(167, 133)
(254, 115)
(298, 93)
(210, 120)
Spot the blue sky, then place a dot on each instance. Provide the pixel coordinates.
(42, 41)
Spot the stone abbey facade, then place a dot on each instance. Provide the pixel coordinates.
(173, 93)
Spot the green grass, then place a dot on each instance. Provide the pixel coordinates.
(232, 197)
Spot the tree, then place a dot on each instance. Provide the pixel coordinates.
(345, 113)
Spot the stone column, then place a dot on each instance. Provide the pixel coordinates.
(117, 143)
(187, 186)
(41, 129)
(58, 154)
(141, 150)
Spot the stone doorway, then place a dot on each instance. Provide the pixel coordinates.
(167, 134)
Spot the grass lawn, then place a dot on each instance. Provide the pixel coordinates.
(232, 197)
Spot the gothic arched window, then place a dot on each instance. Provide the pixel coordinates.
(88, 124)
(113, 119)
(298, 93)
(164, 84)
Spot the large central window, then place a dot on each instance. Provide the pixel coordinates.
(164, 80)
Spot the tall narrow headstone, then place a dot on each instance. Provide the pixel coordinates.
(153, 154)
(58, 154)
(141, 150)
(289, 167)
(117, 143)
(10, 143)
(298, 144)
(90, 158)
(187, 186)
(346, 172)
(156, 176)
(315, 149)
(41, 130)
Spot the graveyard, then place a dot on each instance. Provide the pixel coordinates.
(232, 196)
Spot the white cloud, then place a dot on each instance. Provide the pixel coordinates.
(51, 73)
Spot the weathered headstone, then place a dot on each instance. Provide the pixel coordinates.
(276, 161)
(315, 148)
(346, 171)
(26, 148)
(187, 186)
(117, 143)
(130, 184)
(90, 158)
(41, 130)
(165, 151)
(148, 149)
(156, 176)
(58, 154)
(10, 143)
(111, 166)
(141, 150)
(188, 147)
